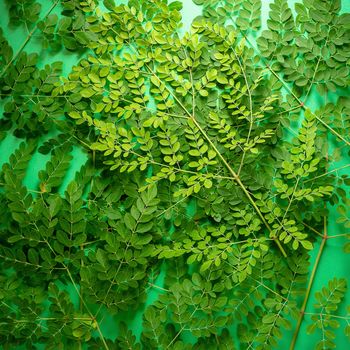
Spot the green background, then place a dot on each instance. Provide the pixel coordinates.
(333, 263)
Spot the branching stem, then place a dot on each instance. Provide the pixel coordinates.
(301, 103)
(88, 310)
(232, 172)
(310, 284)
(27, 39)
(307, 294)
(251, 119)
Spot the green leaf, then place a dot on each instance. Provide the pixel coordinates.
(205, 266)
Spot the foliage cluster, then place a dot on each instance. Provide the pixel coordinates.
(200, 185)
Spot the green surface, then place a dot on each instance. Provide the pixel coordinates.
(332, 263)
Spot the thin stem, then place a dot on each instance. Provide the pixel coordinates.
(340, 235)
(250, 108)
(259, 282)
(238, 180)
(328, 172)
(174, 205)
(329, 315)
(81, 294)
(157, 287)
(287, 111)
(88, 310)
(311, 281)
(292, 198)
(183, 327)
(316, 69)
(302, 104)
(305, 107)
(312, 229)
(307, 294)
(123, 261)
(27, 39)
(313, 79)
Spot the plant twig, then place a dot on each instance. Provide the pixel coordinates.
(307, 294)
(310, 284)
(233, 173)
(88, 310)
(328, 172)
(14, 57)
(301, 103)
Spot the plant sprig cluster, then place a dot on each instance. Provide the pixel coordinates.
(208, 178)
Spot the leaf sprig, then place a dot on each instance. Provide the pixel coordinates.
(199, 187)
